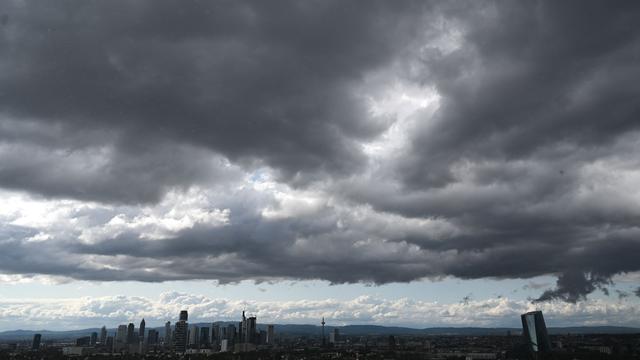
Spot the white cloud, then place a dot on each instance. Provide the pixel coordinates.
(113, 310)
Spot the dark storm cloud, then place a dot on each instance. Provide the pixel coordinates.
(574, 286)
(536, 97)
(528, 79)
(522, 170)
(308, 247)
(272, 83)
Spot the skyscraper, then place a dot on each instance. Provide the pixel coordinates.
(121, 337)
(181, 329)
(204, 338)
(35, 345)
(242, 329)
(323, 341)
(167, 333)
(250, 334)
(535, 332)
(271, 334)
(130, 333)
(215, 335)
(103, 335)
(94, 338)
(152, 337)
(109, 343)
(231, 334)
(334, 336)
(141, 331)
(194, 336)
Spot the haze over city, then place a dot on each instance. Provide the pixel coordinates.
(397, 163)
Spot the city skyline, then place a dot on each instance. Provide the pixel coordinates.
(414, 163)
(245, 338)
(358, 311)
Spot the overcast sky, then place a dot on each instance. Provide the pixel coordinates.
(363, 161)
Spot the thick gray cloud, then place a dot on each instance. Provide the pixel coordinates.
(534, 99)
(524, 166)
(253, 82)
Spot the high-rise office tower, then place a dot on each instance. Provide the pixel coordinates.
(194, 336)
(103, 335)
(181, 332)
(271, 334)
(243, 329)
(141, 331)
(204, 338)
(94, 338)
(108, 343)
(231, 334)
(121, 337)
(167, 333)
(215, 334)
(152, 337)
(535, 332)
(334, 336)
(250, 333)
(35, 345)
(130, 333)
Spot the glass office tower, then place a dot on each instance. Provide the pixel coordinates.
(535, 332)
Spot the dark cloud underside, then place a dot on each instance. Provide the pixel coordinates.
(523, 169)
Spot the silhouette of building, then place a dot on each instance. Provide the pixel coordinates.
(109, 342)
(392, 342)
(334, 336)
(181, 333)
(167, 333)
(121, 337)
(94, 338)
(535, 333)
(204, 338)
(323, 340)
(35, 345)
(83, 341)
(216, 335)
(271, 334)
(103, 335)
(194, 336)
(242, 329)
(250, 333)
(152, 337)
(230, 335)
(131, 333)
(141, 331)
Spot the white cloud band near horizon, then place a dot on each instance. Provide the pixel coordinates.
(88, 312)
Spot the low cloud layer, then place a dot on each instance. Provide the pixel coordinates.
(114, 310)
(361, 142)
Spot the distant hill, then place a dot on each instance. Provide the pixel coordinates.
(313, 330)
